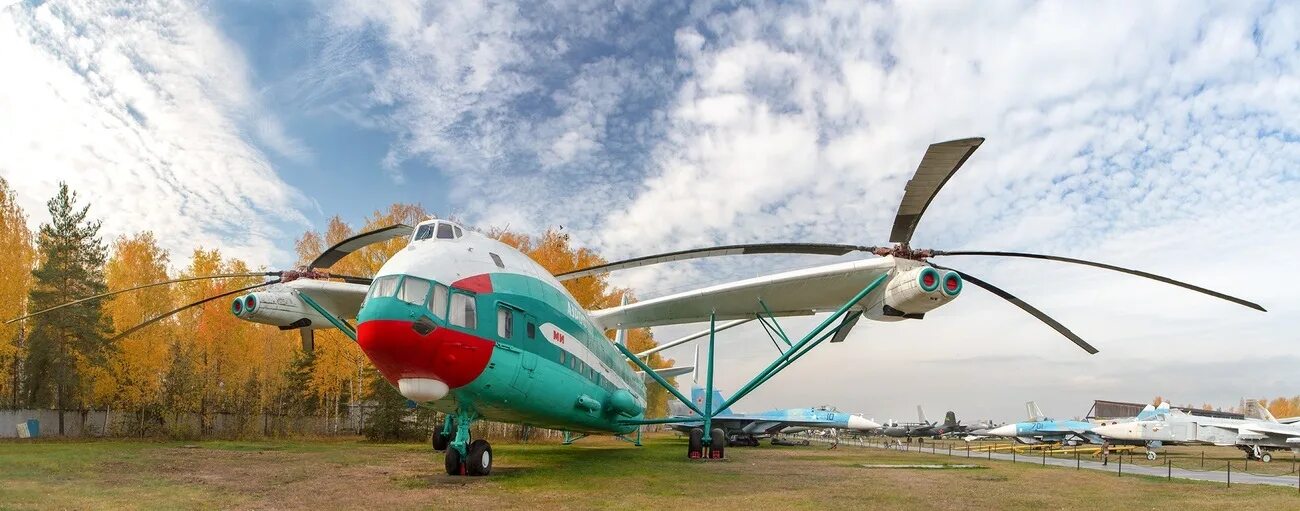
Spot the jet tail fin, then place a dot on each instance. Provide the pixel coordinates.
(1256, 409)
(697, 395)
(920, 415)
(1035, 414)
(950, 418)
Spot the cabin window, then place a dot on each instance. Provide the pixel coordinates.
(438, 305)
(457, 229)
(531, 330)
(384, 286)
(463, 312)
(424, 232)
(445, 232)
(414, 290)
(505, 322)
(561, 357)
(497, 259)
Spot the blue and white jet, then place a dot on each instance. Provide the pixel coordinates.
(1040, 429)
(745, 429)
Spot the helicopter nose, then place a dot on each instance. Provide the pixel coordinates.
(425, 364)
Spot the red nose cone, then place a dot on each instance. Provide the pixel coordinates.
(398, 351)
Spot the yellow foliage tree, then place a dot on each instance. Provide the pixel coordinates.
(15, 282)
(338, 367)
(136, 364)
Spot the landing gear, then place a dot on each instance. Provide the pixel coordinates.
(455, 465)
(464, 457)
(1266, 457)
(717, 444)
(695, 444)
(742, 441)
(479, 462)
(1151, 455)
(1255, 453)
(442, 436)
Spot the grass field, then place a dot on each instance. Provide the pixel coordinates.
(597, 473)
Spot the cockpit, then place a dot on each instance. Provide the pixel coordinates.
(437, 229)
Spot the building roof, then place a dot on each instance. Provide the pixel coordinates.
(1102, 409)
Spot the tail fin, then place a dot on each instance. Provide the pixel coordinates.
(697, 395)
(1035, 415)
(1256, 409)
(620, 335)
(1148, 412)
(950, 419)
(920, 415)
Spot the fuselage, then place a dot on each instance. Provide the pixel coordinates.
(462, 321)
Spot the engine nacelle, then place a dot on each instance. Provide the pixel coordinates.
(279, 308)
(914, 292)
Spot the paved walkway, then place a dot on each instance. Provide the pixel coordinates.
(1219, 476)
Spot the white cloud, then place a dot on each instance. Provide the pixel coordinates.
(143, 109)
(1164, 136)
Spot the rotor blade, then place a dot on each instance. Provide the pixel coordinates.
(164, 315)
(940, 162)
(1094, 264)
(1027, 308)
(353, 280)
(146, 286)
(725, 250)
(350, 245)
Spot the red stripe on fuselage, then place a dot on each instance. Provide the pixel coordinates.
(479, 283)
(453, 357)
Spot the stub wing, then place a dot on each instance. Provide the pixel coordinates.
(341, 298)
(793, 293)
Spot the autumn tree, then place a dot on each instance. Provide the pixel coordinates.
(135, 366)
(65, 340)
(15, 284)
(337, 372)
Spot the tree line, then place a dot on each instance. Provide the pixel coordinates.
(203, 361)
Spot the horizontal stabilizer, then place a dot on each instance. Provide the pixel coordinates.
(667, 372)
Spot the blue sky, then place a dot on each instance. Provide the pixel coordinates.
(1163, 135)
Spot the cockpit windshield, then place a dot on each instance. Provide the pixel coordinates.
(439, 230)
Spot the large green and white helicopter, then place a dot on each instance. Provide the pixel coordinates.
(474, 328)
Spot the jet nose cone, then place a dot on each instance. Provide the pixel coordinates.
(1007, 430)
(860, 423)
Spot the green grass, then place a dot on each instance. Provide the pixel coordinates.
(595, 473)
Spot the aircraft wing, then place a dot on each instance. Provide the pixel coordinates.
(793, 293)
(754, 425)
(341, 298)
(1262, 430)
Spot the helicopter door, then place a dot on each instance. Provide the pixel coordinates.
(528, 339)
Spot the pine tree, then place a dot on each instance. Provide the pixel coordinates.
(63, 341)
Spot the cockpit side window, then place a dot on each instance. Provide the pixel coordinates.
(462, 312)
(414, 290)
(445, 232)
(424, 232)
(457, 228)
(384, 286)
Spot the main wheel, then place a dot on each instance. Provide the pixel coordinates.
(717, 444)
(440, 437)
(1151, 455)
(478, 460)
(695, 444)
(455, 465)
(1266, 457)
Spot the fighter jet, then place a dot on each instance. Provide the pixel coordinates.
(1040, 429)
(1255, 437)
(924, 428)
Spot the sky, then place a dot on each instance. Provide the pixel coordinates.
(1158, 135)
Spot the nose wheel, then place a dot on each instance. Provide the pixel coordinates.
(464, 457)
